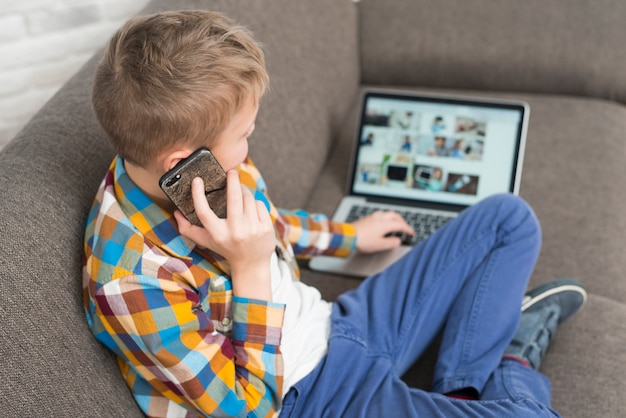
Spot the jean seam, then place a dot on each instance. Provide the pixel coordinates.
(439, 275)
(503, 239)
(506, 383)
(478, 299)
(502, 235)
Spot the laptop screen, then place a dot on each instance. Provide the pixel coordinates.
(438, 149)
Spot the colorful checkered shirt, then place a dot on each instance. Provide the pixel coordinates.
(185, 344)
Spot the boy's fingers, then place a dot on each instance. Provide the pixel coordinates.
(197, 193)
(402, 226)
(233, 194)
(184, 226)
(248, 202)
(262, 213)
(397, 223)
(203, 210)
(188, 230)
(183, 223)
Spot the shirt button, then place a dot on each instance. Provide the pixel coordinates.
(226, 321)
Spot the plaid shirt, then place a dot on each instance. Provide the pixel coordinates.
(185, 344)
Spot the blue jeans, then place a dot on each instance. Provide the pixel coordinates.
(466, 283)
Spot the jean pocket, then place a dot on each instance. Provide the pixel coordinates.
(290, 400)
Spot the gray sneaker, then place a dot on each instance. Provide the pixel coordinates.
(544, 308)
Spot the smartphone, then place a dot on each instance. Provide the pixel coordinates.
(176, 184)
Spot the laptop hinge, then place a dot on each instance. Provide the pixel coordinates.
(416, 204)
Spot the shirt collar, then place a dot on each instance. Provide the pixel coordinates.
(156, 224)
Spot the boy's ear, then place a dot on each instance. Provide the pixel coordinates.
(173, 157)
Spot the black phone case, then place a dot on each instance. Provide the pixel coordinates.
(176, 184)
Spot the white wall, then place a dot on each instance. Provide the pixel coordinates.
(43, 43)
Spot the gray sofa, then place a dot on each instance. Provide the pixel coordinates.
(565, 58)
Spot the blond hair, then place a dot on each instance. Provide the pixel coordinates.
(175, 78)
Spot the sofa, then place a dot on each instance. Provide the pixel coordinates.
(566, 59)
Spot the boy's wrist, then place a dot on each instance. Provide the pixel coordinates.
(252, 281)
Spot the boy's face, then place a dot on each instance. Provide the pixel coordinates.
(231, 146)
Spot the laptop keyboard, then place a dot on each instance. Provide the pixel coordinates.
(424, 224)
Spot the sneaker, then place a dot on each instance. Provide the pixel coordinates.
(543, 310)
(569, 294)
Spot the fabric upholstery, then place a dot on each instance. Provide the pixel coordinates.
(570, 47)
(563, 58)
(52, 365)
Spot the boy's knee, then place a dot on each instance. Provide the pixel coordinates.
(514, 210)
(507, 200)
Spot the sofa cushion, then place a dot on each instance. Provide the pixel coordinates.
(559, 47)
(311, 54)
(574, 161)
(585, 361)
(572, 173)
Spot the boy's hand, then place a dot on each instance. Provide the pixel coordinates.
(245, 238)
(371, 231)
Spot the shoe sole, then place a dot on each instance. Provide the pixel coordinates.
(549, 289)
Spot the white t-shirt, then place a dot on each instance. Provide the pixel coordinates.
(306, 324)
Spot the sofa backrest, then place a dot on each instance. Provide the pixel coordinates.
(573, 47)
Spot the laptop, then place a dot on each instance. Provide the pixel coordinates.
(427, 157)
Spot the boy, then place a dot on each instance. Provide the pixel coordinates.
(212, 320)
